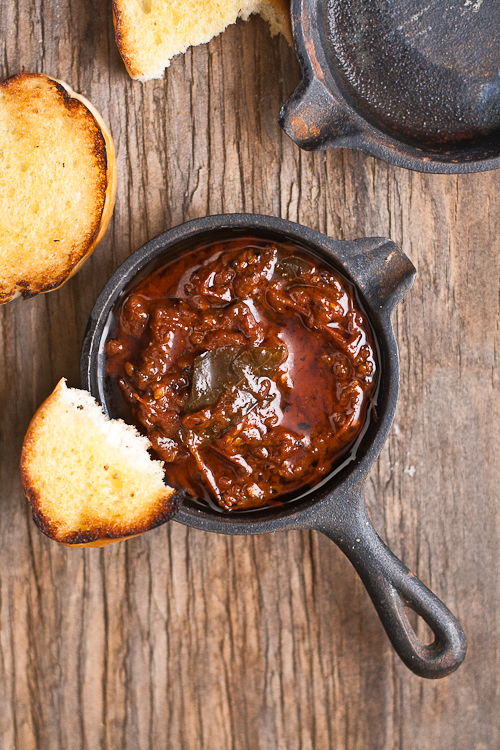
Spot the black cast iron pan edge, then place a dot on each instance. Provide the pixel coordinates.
(383, 275)
(317, 117)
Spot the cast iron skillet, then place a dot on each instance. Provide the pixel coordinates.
(382, 275)
(414, 82)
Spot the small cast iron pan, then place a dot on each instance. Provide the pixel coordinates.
(382, 275)
(414, 82)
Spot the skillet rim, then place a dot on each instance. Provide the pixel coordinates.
(294, 514)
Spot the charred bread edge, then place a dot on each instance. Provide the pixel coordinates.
(117, 23)
(92, 539)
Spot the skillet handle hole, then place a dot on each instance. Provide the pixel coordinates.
(419, 626)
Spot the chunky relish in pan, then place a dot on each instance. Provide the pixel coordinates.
(250, 367)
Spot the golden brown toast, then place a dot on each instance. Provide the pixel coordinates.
(150, 32)
(90, 480)
(57, 183)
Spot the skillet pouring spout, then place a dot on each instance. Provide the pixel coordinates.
(380, 270)
(392, 587)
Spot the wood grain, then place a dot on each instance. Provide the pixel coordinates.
(181, 639)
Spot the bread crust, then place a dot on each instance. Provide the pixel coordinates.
(69, 259)
(107, 532)
(111, 174)
(100, 542)
(121, 41)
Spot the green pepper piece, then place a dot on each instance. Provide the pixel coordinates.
(230, 374)
(292, 267)
(211, 371)
(216, 371)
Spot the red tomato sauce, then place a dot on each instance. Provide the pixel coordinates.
(249, 365)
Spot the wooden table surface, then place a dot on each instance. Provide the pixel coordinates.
(184, 639)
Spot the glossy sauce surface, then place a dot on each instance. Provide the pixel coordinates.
(249, 365)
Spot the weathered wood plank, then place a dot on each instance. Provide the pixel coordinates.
(182, 639)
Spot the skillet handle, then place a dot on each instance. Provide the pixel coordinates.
(392, 587)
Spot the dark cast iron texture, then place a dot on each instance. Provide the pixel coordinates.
(413, 82)
(382, 275)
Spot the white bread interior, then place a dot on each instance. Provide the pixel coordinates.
(89, 479)
(150, 32)
(57, 183)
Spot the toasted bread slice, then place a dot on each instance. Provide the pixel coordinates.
(150, 32)
(57, 183)
(90, 479)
